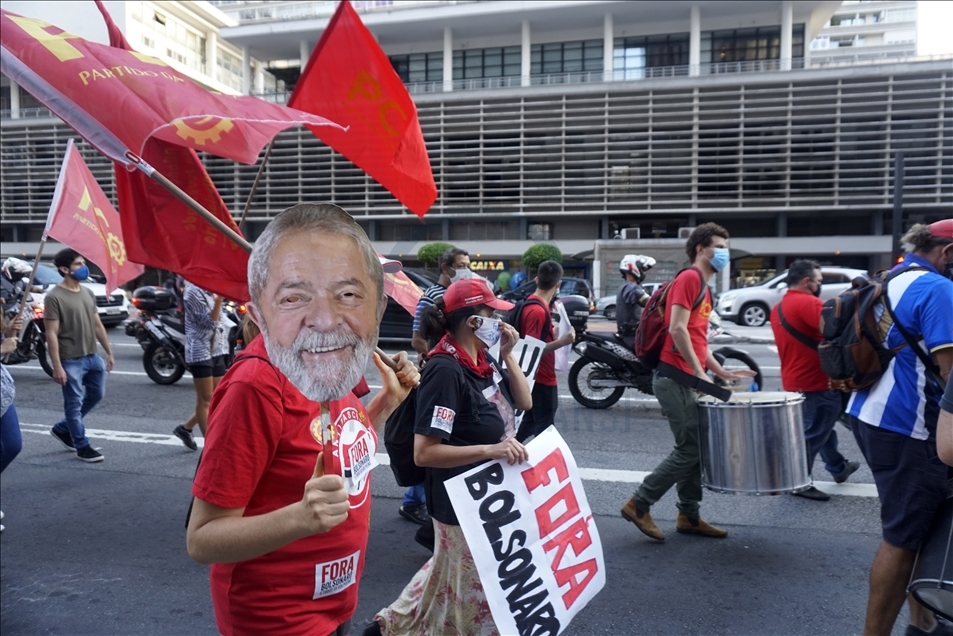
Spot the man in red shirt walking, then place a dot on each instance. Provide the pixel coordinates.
(687, 310)
(536, 321)
(796, 324)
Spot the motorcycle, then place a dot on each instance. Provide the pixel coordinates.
(160, 331)
(32, 343)
(607, 367)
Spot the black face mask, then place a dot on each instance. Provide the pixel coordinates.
(948, 270)
(817, 292)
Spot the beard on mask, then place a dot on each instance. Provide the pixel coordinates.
(331, 380)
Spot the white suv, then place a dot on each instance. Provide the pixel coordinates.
(751, 306)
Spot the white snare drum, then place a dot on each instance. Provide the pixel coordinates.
(753, 444)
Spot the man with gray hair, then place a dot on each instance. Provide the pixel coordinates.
(282, 495)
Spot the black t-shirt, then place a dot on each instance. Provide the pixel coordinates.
(446, 409)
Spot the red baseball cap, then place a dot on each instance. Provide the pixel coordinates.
(471, 292)
(942, 229)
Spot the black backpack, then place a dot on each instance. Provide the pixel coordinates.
(399, 437)
(853, 350)
(512, 317)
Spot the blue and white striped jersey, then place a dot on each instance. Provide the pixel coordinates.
(199, 327)
(431, 295)
(905, 400)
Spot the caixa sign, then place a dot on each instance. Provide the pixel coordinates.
(489, 266)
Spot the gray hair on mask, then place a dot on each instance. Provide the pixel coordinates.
(325, 218)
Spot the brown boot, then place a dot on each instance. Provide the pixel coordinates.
(642, 520)
(687, 525)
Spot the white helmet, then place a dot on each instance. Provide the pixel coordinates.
(14, 268)
(636, 264)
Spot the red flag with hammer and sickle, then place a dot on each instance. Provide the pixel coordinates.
(82, 217)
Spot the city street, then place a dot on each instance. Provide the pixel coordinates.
(100, 549)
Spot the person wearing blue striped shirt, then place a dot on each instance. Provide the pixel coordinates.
(895, 423)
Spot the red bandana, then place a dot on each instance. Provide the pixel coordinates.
(448, 347)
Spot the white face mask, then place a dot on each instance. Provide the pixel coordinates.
(487, 329)
(462, 274)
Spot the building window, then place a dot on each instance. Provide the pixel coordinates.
(566, 57)
(419, 67)
(901, 15)
(479, 63)
(747, 45)
(633, 55)
(539, 231)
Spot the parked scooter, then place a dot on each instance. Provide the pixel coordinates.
(607, 367)
(32, 344)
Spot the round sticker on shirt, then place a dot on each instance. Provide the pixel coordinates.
(356, 449)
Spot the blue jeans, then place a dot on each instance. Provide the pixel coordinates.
(11, 443)
(85, 387)
(821, 410)
(415, 496)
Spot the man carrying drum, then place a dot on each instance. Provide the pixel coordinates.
(795, 322)
(685, 354)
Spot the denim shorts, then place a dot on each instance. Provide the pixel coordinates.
(911, 482)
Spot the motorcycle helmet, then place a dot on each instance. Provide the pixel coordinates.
(15, 269)
(637, 265)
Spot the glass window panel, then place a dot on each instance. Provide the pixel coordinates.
(492, 59)
(511, 70)
(552, 56)
(512, 57)
(572, 66)
(553, 67)
(593, 52)
(571, 46)
(418, 65)
(492, 71)
(593, 64)
(535, 68)
(572, 54)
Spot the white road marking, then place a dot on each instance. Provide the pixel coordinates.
(113, 372)
(588, 474)
(773, 348)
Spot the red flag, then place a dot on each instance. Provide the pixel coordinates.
(350, 80)
(182, 241)
(403, 290)
(82, 217)
(137, 96)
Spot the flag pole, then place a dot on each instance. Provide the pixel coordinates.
(196, 207)
(254, 186)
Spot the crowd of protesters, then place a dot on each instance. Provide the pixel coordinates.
(286, 508)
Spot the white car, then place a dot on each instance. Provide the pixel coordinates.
(606, 305)
(751, 306)
(112, 308)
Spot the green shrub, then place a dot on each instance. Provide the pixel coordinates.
(430, 253)
(540, 252)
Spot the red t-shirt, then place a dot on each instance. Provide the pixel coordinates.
(800, 365)
(684, 291)
(537, 322)
(263, 440)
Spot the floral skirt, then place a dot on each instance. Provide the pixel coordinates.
(445, 597)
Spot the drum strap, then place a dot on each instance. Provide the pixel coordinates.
(666, 370)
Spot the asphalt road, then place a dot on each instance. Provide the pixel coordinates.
(100, 549)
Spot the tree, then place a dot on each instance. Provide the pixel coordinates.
(540, 252)
(430, 253)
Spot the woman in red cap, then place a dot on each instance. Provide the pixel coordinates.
(465, 416)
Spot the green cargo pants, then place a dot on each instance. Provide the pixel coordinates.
(682, 468)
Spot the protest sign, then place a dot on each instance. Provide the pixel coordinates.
(529, 353)
(562, 328)
(532, 536)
